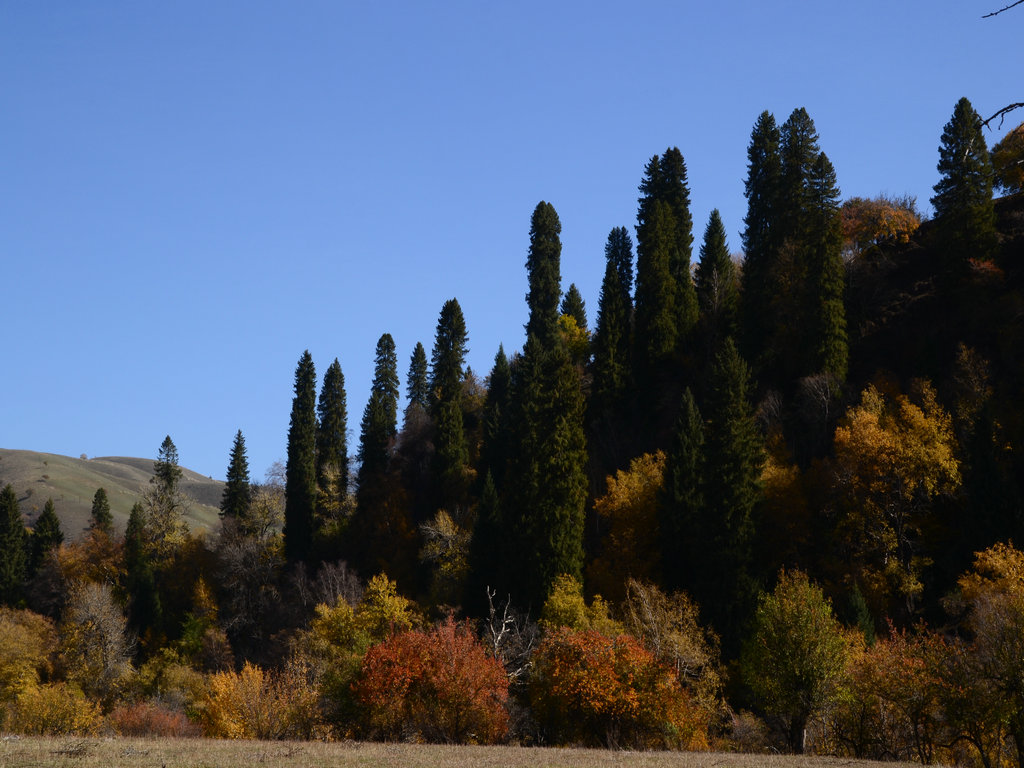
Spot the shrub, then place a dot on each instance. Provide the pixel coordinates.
(439, 685)
(593, 689)
(55, 709)
(150, 719)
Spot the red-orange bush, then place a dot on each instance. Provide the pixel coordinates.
(593, 689)
(150, 719)
(438, 685)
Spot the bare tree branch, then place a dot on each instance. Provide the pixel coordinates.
(1001, 114)
(996, 13)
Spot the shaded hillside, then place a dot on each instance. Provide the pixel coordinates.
(71, 483)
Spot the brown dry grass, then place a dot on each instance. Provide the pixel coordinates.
(26, 752)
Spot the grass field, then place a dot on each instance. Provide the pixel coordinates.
(23, 752)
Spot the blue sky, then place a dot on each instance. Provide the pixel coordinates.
(193, 193)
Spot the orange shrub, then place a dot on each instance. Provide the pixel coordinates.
(438, 685)
(593, 689)
(151, 719)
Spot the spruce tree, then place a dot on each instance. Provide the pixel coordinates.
(657, 328)
(13, 548)
(573, 306)
(495, 449)
(681, 507)
(612, 335)
(100, 518)
(165, 502)
(760, 233)
(379, 424)
(717, 287)
(799, 151)
(448, 356)
(964, 210)
(300, 465)
(827, 280)
(417, 385)
(486, 550)
(734, 454)
(46, 536)
(543, 266)
(144, 608)
(332, 437)
(237, 496)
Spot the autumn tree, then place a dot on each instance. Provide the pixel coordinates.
(96, 646)
(13, 548)
(237, 494)
(1008, 161)
(165, 502)
(300, 467)
(871, 222)
(894, 456)
(796, 655)
(963, 196)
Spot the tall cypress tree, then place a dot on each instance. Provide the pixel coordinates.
(332, 437)
(827, 280)
(734, 454)
(760, 233)
(234, 502)
(546, 486)
(417, 384)
(543, 267)
(964, 210)
(300, 466)
(100, 518)
(681, 507)
(13, 548)
(46, 536)
(717, 287)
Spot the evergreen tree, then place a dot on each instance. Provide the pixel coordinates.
(486, 550)
(665, 182)
(165, 468)
(144, 608)
(573, 306)
(417, 385)
(543, 267)
(100, 518)
(964, 210)
(448, 356)
(611, 364)
(681, 507)
(46, 536)
(379, 424)
(734, 454)
(13, 548)
(717, 288)
(760, 236)
(799, 152)
(827, 283)
(165, 502)
(300, 465)
(237, 496)
(332, 438)
(657, 329)
(495, 449)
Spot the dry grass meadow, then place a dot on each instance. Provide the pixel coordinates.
(39, 752)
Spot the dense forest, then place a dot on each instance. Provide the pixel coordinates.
(755, 501)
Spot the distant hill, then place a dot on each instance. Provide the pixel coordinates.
(71, 483)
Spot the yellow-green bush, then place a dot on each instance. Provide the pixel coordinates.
(54, 709)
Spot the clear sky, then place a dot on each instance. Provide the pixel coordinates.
(193, 193)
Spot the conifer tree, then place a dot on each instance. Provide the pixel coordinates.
(46, 536)
(657, 328)
(144, 608)
(448, 356)
(332, 437)
(486, 549)
(573, 306)
(451, 458)
(799, 151)
(100, 518)
(612, 336)
(964, 211)
(760, 235)
(734, 454)
(379, 424)
(495, 449)
(237, 496)
(717, 287)
(165, 502)
(417, 385)
(13, 548)
(300, 466)
(681, 508)
(827, 280)
(543, 267)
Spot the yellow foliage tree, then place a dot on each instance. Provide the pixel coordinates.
(628, 512)
(566, 607)
(382, 611)
(27, 641)
(894, 455)
(871, 222)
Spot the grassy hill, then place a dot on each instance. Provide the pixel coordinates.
(71, 483)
